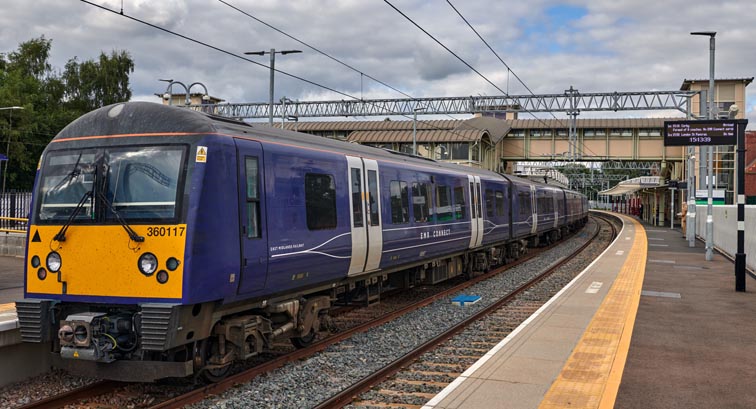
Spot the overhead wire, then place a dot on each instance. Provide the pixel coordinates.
(229, 53)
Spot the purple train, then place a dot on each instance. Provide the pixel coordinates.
(164, 242)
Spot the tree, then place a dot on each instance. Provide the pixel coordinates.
(50, 100)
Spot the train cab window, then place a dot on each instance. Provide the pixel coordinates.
(459, 203)
(489, 203)
(421, 201)
(357, 197)
(499, 203)
(253, 197)
(373, 198)
(443, 203)
(320, 201)
(523, 200)
(399, 202)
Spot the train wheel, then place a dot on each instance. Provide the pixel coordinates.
(305, 341)
(204, 352)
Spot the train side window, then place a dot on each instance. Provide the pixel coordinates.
(523, 199)
(357, 197)
(372, 198)
(499, 203)
(489, 203)
(320, 201)
(443, 203)
(252, 170)
(399, 202)
(459, 203)
(421, 202)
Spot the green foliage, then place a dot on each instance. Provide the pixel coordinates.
(51, 100)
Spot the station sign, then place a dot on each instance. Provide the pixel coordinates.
(709, 132)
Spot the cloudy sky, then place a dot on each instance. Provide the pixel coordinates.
(595, 46)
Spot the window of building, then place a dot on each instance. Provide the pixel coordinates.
(443, 203)
(459, 203)
(320, 201)
(460, 151)
(476, 153)
(594, 132)
(399, 202)
(562, 133)
(649, 132)
(541, 133)
(516, 133)
(421, 200)
(621, 132)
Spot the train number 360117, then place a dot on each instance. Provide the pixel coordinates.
(165, 231)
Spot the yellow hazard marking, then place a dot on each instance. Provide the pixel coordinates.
(102, 261)
(201, 154)
(76, 354)
(7, 307)
(591, 376)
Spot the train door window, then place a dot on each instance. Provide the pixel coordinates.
(421, 202)
(472, 201)
(499, 203)
(523, 199)
(443, 203)
(489, 203)
(320, 201)
(373, 198)
(399, 202)
(357, 197)
(479, 204)
(253, 196)
(459, 203)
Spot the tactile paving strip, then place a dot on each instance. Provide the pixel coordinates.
(591, 376)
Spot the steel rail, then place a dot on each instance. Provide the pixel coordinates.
(369, 381)
(246, 376)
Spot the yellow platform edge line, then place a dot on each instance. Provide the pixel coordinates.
(595, 372)
(7, 307)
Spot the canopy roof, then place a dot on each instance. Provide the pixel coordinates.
(633, 185)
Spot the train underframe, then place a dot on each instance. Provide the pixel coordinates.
(152, 341)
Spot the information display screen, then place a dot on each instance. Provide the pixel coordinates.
(689, 133)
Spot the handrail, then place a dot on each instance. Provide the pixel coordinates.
(15, 219)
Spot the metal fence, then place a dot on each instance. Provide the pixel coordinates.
(15, 208)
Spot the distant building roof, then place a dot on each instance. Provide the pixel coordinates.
(687, 83)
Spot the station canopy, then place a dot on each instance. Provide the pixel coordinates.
(633, 185)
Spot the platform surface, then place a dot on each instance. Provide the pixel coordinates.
(694, 343)
(563, 355)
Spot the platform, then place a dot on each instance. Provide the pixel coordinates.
(649, 324)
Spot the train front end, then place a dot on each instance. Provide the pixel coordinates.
(106, 252)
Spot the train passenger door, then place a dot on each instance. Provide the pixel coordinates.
(254, 242)
(365, 215)
(476, 213)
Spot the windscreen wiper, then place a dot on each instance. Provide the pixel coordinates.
(132, 234)
(61, 236)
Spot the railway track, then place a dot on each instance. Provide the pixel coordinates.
(446, 372)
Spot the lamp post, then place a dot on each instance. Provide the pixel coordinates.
(7, 144)
(272, 53)
(169, 95)
(414, 129)
(205, 96)
(710, 156)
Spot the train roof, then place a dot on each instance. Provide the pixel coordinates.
(134, 118)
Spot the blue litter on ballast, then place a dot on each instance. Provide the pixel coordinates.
(463, 299)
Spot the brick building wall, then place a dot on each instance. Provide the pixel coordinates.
(750, 177)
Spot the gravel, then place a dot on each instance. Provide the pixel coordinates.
(308, 382)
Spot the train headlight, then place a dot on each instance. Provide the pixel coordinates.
(53, 262)
(147, 264)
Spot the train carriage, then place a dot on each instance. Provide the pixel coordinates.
(165, 242)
